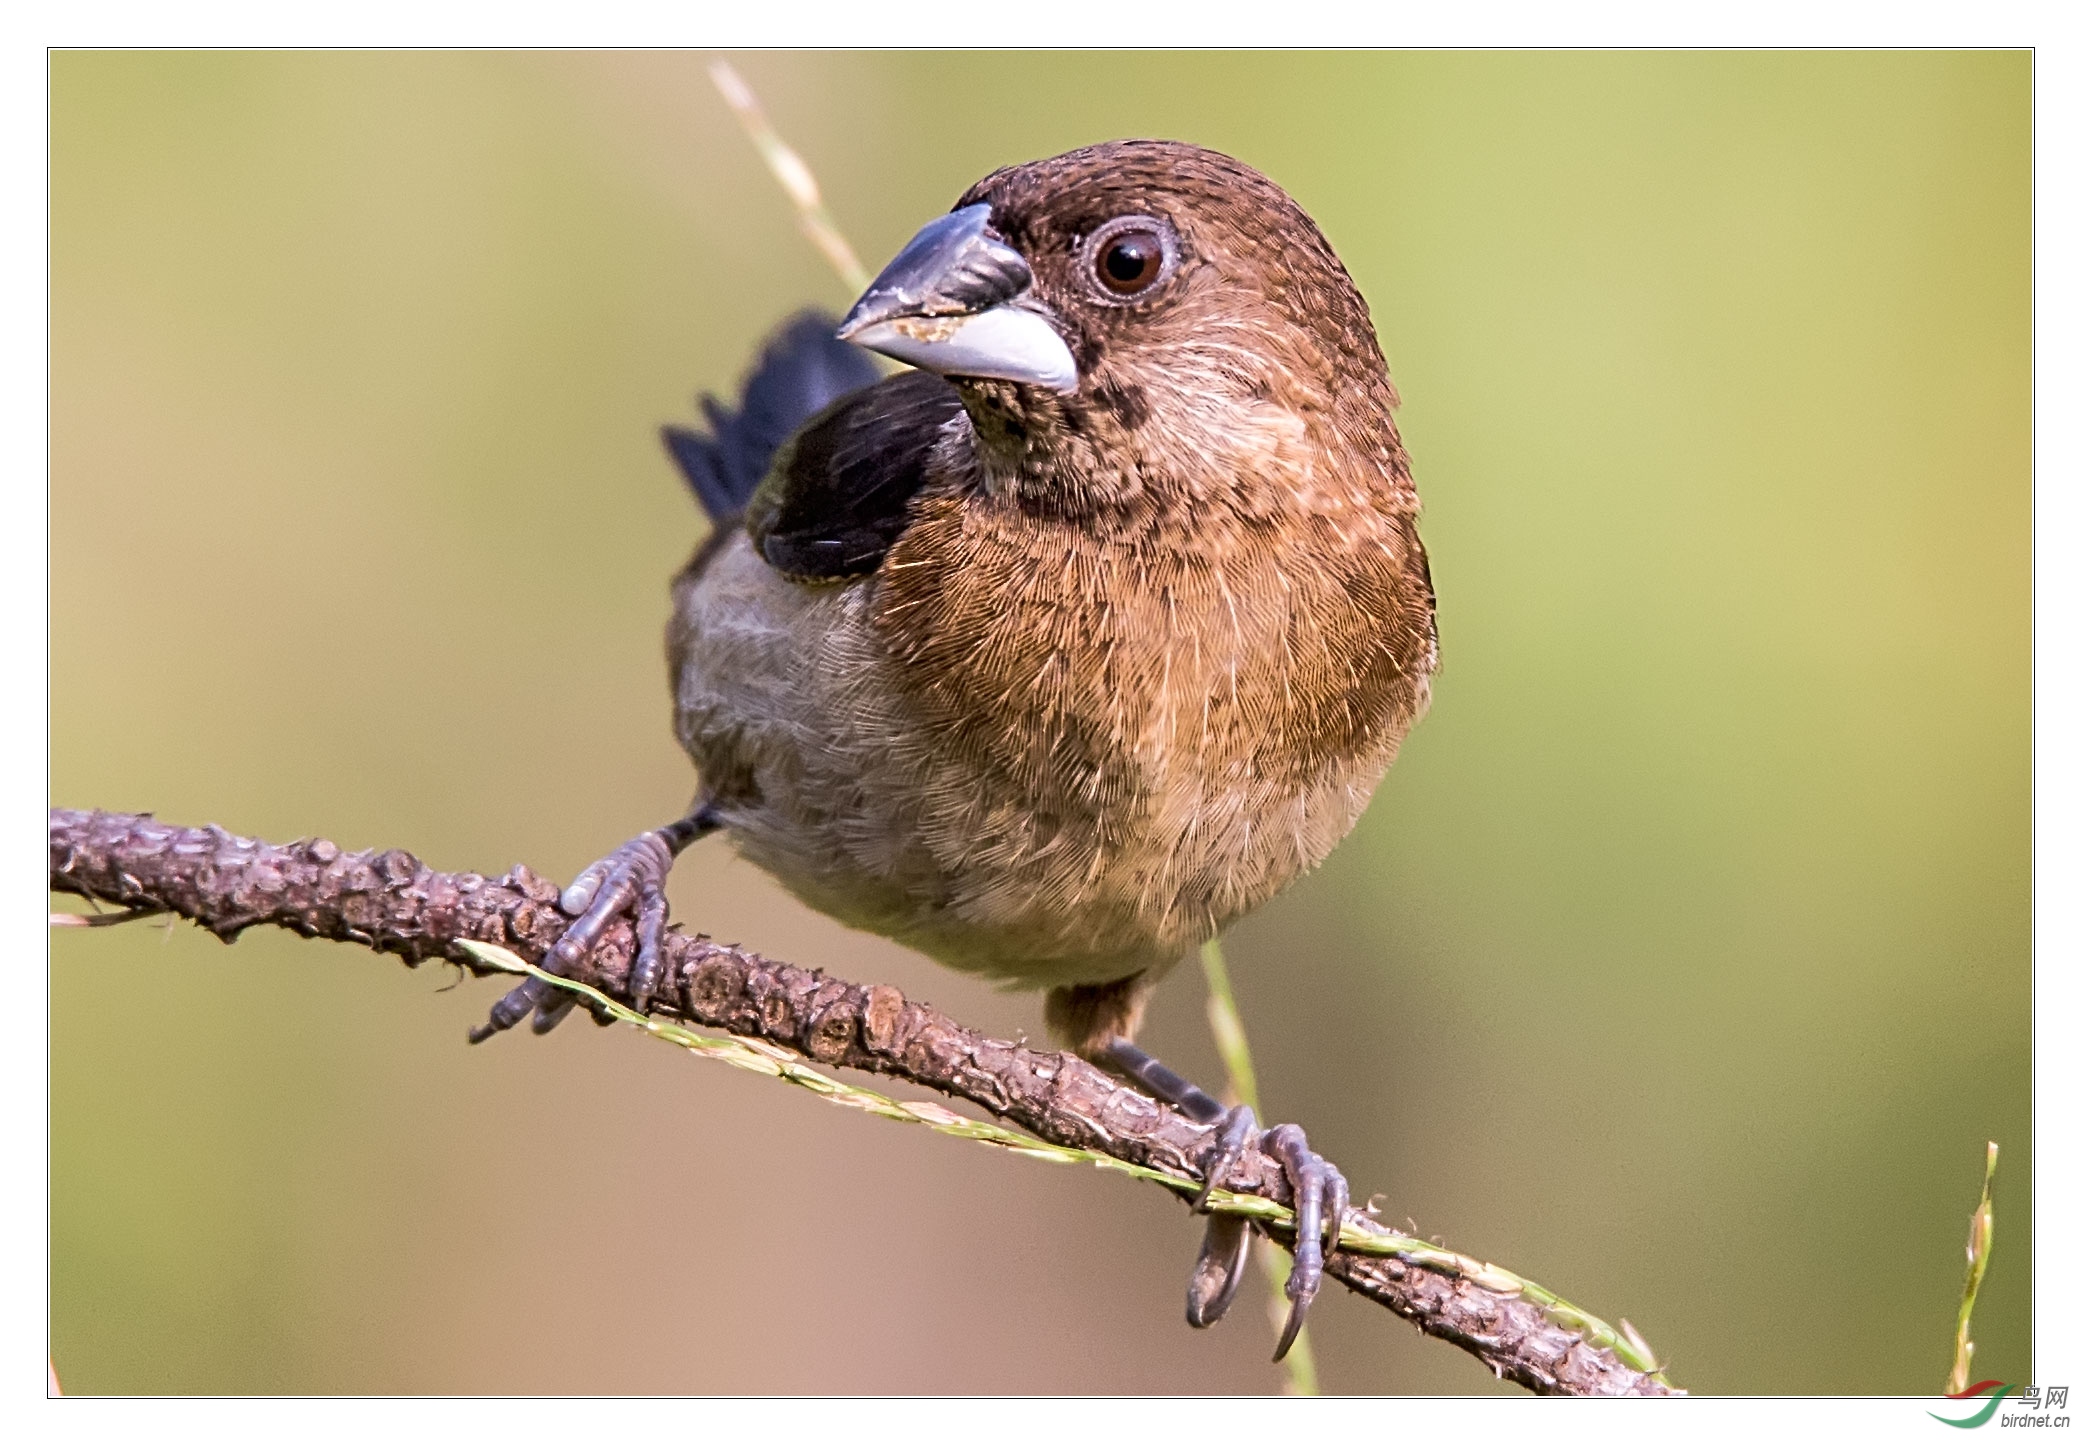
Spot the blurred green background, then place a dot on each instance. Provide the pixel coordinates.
(1683, 962)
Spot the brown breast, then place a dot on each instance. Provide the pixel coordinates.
(1114, 674)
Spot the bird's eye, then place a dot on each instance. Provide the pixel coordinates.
(1129, 255)
(1130, 261)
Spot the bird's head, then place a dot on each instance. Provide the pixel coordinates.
(1140, 316)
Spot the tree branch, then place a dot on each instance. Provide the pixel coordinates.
(391, 902)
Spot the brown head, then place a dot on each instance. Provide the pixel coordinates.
(1146, 317)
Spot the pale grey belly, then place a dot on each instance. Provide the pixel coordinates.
(826, 778)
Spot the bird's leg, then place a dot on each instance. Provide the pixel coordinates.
(1321, 1195)
(633, 875)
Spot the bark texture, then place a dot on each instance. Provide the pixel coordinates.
(391, 902)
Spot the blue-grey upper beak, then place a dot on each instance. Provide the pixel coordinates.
(950, 303)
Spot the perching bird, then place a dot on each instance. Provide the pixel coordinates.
(1055, 655)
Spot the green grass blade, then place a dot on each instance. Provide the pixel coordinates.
(1980, 1240)
(1226, 1022)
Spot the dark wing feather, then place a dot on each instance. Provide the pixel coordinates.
(803, 369)
(839, 494)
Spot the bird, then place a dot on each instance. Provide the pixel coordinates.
(1076, 640)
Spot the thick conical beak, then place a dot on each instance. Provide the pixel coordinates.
(951, 302)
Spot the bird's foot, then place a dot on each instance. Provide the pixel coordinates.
(1321, 1195)
(632, 877)
(1321, 1198)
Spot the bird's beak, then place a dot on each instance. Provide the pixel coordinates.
(951, 303)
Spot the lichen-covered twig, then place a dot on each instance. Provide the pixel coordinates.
(389, 901)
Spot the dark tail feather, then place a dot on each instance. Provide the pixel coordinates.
(802, 370)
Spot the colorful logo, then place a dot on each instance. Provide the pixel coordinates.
(1982, 1416)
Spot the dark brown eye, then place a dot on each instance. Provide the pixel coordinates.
(1131, 261)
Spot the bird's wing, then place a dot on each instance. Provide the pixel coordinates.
(802, 369)
(839, 493)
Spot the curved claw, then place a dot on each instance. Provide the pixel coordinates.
(550, 1013)
(1219, 1270)
(1321, 1197)
(514, 1005)
(1296, 1315)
